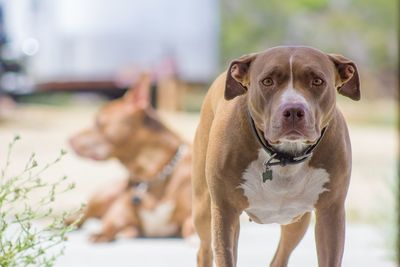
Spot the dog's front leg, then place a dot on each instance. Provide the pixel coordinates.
(225, 234)
(330, 235)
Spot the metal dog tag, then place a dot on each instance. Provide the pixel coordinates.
(267, 174)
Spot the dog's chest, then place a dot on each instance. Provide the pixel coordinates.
(292, 191)
(157, 222)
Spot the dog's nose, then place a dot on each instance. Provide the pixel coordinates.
(293, 113)
(72, 141)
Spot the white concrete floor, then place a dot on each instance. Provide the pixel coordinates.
(365, 246)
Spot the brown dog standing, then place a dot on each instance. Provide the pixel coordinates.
(155, 200)
(272, 142)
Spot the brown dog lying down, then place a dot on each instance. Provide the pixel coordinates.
(156, 199)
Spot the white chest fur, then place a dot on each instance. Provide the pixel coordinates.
(156, 223)
(292, 191)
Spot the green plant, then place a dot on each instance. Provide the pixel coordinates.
(25, 203)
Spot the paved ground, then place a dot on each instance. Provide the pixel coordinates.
(370, 203)
(364, 247)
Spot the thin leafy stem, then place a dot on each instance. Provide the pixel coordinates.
(23, 240)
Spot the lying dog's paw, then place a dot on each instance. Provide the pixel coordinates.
(75, 220)
(101, 238)
(130, 232)
(188, 228)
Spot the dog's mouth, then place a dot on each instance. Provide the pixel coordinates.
(291, 145)
(292, 135)
(293, 142)
(91, 147)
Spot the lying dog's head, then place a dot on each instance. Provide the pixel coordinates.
(292, 91)
(120, 124)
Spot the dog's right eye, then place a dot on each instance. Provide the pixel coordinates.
(268, 82)
(317, 82)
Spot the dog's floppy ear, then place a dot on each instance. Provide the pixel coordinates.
(138, 94)
(237, 76)
(348, 81)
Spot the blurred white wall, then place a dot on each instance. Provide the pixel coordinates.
(94, 39)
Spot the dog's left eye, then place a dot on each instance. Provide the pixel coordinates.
(317, 82)
(268, 82)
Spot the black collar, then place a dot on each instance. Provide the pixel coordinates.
(280, 158)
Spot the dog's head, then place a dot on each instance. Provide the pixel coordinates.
(292, 91)
(119, 124)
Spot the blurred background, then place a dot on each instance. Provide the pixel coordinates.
(60, 61)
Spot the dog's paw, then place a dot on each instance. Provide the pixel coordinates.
(188, 229)
(75, 220)
(130, 232)
(101, 238)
